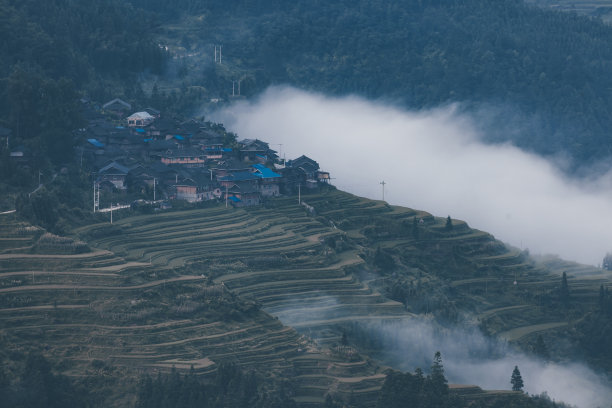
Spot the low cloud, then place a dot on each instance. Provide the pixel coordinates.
(436, 161)
(471, 358)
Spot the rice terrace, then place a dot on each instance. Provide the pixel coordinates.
(280, 289)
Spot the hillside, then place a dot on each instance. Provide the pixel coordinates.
(545, 72)
(269, 288)
(542, 71)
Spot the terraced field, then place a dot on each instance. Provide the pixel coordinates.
(156, 294)
(256, 286)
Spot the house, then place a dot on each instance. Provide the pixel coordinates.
(268, 181)
(94, 146)
(5, 133)
(306, 165)
(153, 112)
(230, 165)
(114, 173)
(243, 194)
(117, 107)
(256, 150)
(242, 177)
(19, 154)
(139, 119)
(323, 176)
(196, 186)
(189, 157)
(162, 127)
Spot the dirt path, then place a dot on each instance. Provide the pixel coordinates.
(491, 312)
(37, 273)
(45, 256)
(520, 332)
(87, 287)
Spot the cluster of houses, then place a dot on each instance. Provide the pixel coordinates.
(191, 160)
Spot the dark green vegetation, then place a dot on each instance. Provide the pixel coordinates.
(52, 51)
(198, 288)
(544, 72)
(595, 8)
(416, 390)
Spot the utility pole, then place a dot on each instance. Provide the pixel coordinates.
(215, 53)
(96, 196)
(233, 88)
(280, 150)
(154, 183)
(383, 189)
(239, 86)
(220, 55)
(299, 193)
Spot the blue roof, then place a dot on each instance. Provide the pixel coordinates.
(265, 172)
(141, 130)
(179, 137)
(119, 127)
(96, 142)
(148, 140)
(227, 149)
(234, 199)
(239, 176)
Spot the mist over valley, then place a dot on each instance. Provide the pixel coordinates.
(436, 160)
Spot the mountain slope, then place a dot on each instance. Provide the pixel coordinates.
(184, 288)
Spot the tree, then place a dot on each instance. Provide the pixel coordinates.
(449, 224)
(564, 293)
(436, 386)
(607, 262)
(344, 339)
(540, 347)
(516, 380)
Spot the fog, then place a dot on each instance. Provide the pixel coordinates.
(436, 161)
(470, 358)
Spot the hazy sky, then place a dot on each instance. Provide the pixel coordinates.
(435, 161)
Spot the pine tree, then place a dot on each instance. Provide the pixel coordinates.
(438, 379)
(516, 380)
(449, 224)
(564, 294)
(540, 348)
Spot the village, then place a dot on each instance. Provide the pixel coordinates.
(152, 158)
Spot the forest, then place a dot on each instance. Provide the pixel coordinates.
(544, 72)
(537, 78)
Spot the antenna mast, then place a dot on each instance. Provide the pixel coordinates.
(383, 189)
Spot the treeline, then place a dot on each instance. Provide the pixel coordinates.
(230, 387)
(54, 51)
(546, 73)
(419, 391)
(37, 386)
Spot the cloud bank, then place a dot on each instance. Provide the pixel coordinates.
(471, 358)
(436, 161)
(468, 356)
